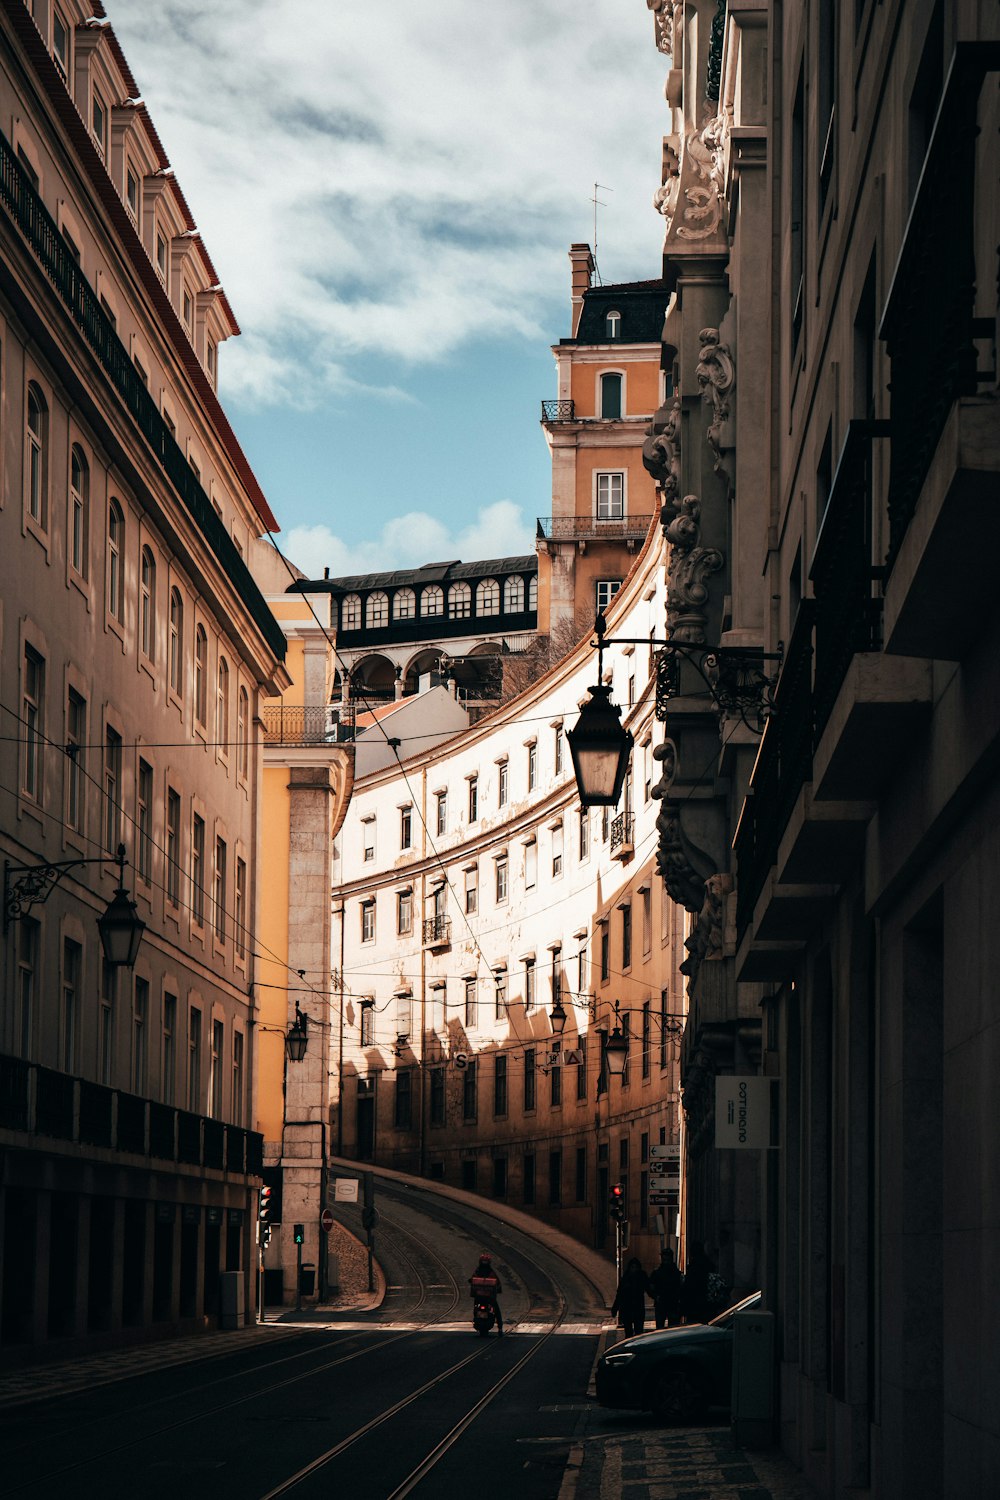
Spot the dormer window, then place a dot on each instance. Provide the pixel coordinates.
(60, 43)
(161, 255)
(99, 123)
(613, 325)
(188, 307)
(132, 193)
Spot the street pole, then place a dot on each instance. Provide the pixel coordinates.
(298, 1277)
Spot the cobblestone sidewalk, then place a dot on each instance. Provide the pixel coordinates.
(687, 1464)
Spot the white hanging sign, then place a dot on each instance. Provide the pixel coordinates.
(743, 1113)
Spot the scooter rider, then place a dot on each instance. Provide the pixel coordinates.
(485, 1286)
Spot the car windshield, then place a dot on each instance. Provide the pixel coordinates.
(724, 1319)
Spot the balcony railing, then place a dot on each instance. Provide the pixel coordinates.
(557, 411)
(622, 833)
(846, 583)
(291, 724)
(437, 932)
(44, 1102)
(590, 528)
(32, 218)
(929, 324)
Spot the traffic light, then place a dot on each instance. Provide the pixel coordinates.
(299, 1233)
(269, 1197)
(616, 1202)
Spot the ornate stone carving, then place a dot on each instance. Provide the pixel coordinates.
(684, 884)
(708, 941)
(661, 452)
(665, 14)
(716, 376)
(701, 181)
(665, 197)
(689, 566)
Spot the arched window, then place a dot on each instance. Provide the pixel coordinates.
(79, 506)
(404, 604)
(432, 600)
(116, 562)
(176, 641)
(611, 397)
(377, 611)
(613, 325)
(350, 613)
(201, 675)
(459, 601)
(488, 597)
(222, 706)
(533, 593)
(513, 595)
(242, 736)
(36, 456)
(147, 604)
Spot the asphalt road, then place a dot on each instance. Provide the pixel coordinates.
(404, 1400)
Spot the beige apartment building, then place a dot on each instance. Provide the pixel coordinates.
(135, 652)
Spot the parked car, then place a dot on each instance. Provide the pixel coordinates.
(676, 1373)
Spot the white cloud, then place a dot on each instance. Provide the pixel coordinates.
(408, 541)
(400, 179)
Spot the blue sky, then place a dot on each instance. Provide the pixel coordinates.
(389, 193)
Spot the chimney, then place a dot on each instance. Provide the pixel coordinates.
(583, 268)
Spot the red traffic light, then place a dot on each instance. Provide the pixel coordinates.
(616, 1201)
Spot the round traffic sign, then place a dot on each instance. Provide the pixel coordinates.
(326, 1221)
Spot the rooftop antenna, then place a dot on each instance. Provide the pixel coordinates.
(598, 187)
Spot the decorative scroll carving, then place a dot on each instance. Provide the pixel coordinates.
(708, 940)
(666, 14)
(689, 566)
(665, 197)
(684, 884)
(691, 198)
(661, 452)
(716, 376)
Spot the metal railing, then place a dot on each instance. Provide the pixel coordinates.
(591, 528)
(622, 832)
(437, 930)
(32, 218)
(295, 724)
(557, 411)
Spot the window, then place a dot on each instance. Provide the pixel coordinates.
(555, 1177)
(557, 749)
(432, 600)
(404, 912)
(605, 952)
(473, 798)
(219, 889)
(237, 1078)
(60, 43)
(501, 880)
(173, 847)
(500, 997)
(581, 1070)
(530, 1078)
(555, 1086)
(529, 983)
(626, 1037)
(404, 604)
(557, 851)
(606, 590)
(471, 1002)
(488, 597)
(28, 166)
(533, 594)
(79, 506)
(469, 1091)
(613, 325)
(350, 613)
(198, 869)
(176, 642)
(403, 1100)
(240, 908)
(368, 1023)
(215, 1076)
(610, 497)
(201, 675)
(140, 1019)
(161, 255)
(368, 840)
(472, 891)
(645, 1040)
(106, 1024)
(459, 601)
(27, 971)
(76, 738)
(626, 937)
(116, 562)
(368, 921)
(222, 706)
(499, 1084)
(503, 780)
(242, 733)
(530, 865)
(32, 724)
(611, 397)
(212, 360)
(144, 821)
(647, 919)
(584, 833)
(188, 311)
(405, 827)
(581, 969)
(556, 977)
(147, 604)
(532, 766)
(168, 1080)
(581, 1174)
(513, 595)
(194, 1060)
(377, 611)
(441, 804)
(529, 1177)
(99, 123)
(72, 969)
(500, 1177)
(36, 457)
(132, 193)
(437, 1096)
(112, 789)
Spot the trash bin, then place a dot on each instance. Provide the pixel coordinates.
(307, 1279)
(231, 1299)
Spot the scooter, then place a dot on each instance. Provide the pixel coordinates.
(483, 1316)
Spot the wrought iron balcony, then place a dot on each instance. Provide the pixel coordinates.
(622, 835)
(590, 528)
(557, 411)
(294, 724)
(437, 932)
